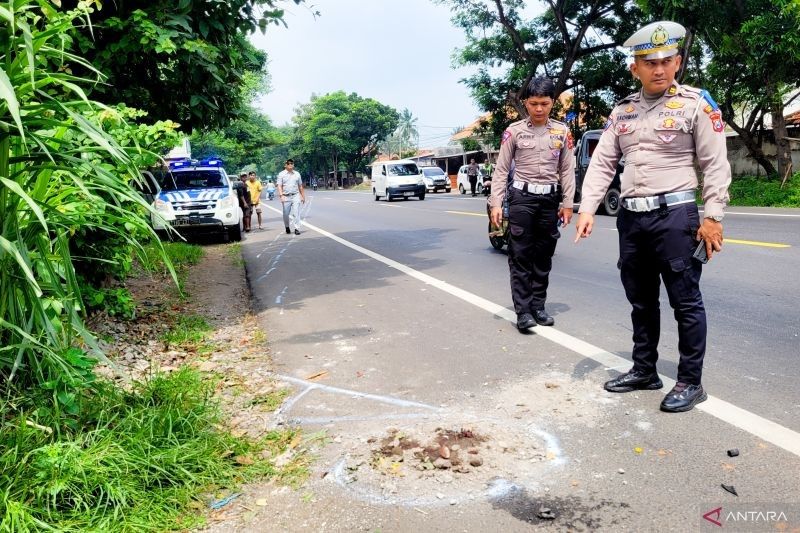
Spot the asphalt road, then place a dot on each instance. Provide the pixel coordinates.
(404, 301)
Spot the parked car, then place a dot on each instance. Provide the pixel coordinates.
(462, 181)
(435, 179)
(397, 179)
(583, 154)
(198, 197)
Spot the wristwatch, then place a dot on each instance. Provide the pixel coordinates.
(716, 218)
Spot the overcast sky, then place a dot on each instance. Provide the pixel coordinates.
(395, 51)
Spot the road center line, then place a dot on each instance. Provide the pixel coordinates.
(468, 213)
(758, 243)
(752, 423)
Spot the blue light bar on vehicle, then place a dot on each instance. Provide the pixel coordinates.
(181, 163)
(210, 162)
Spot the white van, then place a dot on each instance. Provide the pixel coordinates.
(397, 179)
(462, 181)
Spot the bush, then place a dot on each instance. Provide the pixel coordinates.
(763, 192)
(133, 461)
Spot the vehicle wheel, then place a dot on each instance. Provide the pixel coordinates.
(376, 195)
(421, 196)
(611, 203)
(235, 232)
(405, 198)
(461, 189)
(388, 198)
(448, 190)
(496, 242)
(478, 189)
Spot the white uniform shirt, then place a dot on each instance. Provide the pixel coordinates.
(290, 182)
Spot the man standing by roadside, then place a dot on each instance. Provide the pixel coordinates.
(472, 175)
(291, 193)
(661, 131)
(254, 187)
(248, 210)
(544, 177)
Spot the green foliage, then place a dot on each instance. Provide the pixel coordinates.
(753, 191)
(572, 42)
(183, 61)
(116, 302)
(63, 178)
(133, 461)
(188, 330)
(272, 400)
(341, 128)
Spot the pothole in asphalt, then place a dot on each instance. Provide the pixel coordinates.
(436, 463)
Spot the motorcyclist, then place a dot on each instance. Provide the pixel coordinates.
(270, 190)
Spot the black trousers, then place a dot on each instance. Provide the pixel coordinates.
(655, 246)
(473, 183)
(532, 220)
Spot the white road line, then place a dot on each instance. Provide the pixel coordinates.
(760, 214)
(352, 201)
(752, 423)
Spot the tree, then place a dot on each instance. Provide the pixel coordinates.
(752, 53)
(181, 60)
(407, 129)
(572, 42)
(343, 129)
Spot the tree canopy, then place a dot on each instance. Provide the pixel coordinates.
(182, 60)
(341, 129)
(574, 43)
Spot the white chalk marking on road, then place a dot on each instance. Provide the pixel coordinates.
(321, 420)
(279, 299)
(278, 236)
(752, 423)
(376, 397)
(352, 201)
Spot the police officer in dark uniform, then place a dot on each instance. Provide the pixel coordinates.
(540, 194)
(661, 131)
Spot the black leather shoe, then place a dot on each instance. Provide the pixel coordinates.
(297, 232)
(287, 230)
(633, 380)
(525, 321)
(542, 318)
(683, 397)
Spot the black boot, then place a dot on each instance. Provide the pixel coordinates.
(633, 380)
(683, 397)
(542, 318)
(525, 321)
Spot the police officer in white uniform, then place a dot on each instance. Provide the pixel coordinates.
(661, 131)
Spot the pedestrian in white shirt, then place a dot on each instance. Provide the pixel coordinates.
(291, 193)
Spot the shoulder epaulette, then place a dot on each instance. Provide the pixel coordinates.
(627, 99)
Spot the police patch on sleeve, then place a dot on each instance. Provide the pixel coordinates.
(506, 136)
(608, 124)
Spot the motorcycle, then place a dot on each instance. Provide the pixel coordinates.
(271, 194)
(498, 237)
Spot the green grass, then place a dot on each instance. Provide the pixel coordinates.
(272, 400)
(144, 460)
(234, 251)
(189, 330)
(763, 192)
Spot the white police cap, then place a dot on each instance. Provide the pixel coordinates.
(656, 40)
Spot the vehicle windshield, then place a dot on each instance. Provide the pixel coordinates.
(433, 172)
(409, 169)
(195, 179)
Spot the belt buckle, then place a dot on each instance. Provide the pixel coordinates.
(639, 204)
